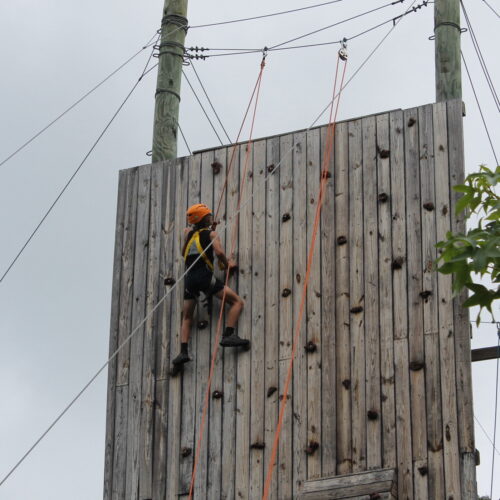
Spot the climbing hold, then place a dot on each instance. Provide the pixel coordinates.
(286, 217)
(341, 240)
(271, 391)
(270, 168)
(169, 281)
(383, 197)
(286, 292)
(216, 167)
(372, 415)
(202, 324)
(397, 263)
(425, 294)
(416, 365)
(346, 383)
(326, 174)
(310, 346)
(217, 394)
(429, 206)
(411, 122)
(313, 446)
(356, 309)
(185, 452)
(384, 153)
(258, 445)
(423, 470)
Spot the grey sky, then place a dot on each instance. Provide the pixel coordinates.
(54, 304)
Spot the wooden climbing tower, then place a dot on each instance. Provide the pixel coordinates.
(381, 399)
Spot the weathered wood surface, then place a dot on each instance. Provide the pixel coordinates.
(113, 337)
(385, 379)
(272, 303)
(387, 376)
(298, 388)
(382, 481)
(444, 298)
(342, 301)
(328, 396)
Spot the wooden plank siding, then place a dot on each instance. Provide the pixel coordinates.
(381, 382)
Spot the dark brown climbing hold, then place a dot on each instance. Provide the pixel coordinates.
(310, 346)
(169, 281)
(286, 292)
(423, 470)
(286, 217)
(397, 263)
(270, 168)
(477, 457)
(383, 153)
(444, 210)
(341, 240)
(447, 433)
(326, 174)
(372, 415)
(202, 324)
(258, 445)
(287, 397)
(383, 197)
(356, 309)
(216, 167)
(411, 122)
(217, 394)
(185, 452)
(375, 496)
(416, 365)
(346, 383)
(425, 294)
(313, 446)
(429, 206)
(271, 391)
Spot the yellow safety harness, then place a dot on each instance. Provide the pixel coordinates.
(194, 248)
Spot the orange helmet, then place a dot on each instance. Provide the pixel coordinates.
(196, 212)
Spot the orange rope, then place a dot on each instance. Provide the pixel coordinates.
(221, 314)
(324, 178)
(256, 86)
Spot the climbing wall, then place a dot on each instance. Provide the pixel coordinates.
(381, 380)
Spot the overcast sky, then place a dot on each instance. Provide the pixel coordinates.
(55, 302)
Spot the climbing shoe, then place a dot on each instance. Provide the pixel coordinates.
(234, 341)
(181, 359)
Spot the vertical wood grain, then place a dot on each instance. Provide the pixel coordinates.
(342, 300)
(357, 299)
(400, 307)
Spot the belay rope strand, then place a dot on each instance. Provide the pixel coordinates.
(215, 349)
(235, 144)
(342, 56)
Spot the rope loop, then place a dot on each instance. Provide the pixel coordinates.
(179, 21)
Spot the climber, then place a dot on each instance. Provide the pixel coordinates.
(200, 278)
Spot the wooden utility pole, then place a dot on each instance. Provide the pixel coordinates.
(168, 86)
(447, 50)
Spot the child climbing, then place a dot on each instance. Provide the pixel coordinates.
(201, 240)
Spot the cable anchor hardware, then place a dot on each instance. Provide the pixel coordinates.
(343, 49)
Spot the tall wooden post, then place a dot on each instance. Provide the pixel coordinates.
(167, 98)
(447, 50)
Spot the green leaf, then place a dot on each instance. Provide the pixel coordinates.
(463, 202)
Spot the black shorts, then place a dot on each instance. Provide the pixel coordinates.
(201, 279)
